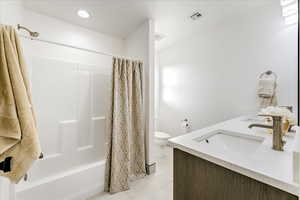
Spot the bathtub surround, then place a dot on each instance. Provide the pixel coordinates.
(19, 137)
(126, 129)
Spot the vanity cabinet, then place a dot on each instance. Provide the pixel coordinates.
(198, 179)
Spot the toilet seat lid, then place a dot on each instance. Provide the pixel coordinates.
(162, 135)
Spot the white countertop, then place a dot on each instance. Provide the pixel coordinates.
(265, 164)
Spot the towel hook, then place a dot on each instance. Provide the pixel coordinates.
(269, 72)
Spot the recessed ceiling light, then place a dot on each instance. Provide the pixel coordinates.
(83, 14)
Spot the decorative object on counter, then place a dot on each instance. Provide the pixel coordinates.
(266, 92)
(290, 123)
(289, 119)
(18, 129)
(185, 126)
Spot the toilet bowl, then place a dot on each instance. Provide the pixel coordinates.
(161, 138)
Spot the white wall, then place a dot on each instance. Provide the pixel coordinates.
(156, 87)
(59, 31)
(70, 96)
(212, 75)
(140, 45)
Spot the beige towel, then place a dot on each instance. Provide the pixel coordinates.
(266, 87)
(267, 91)
(18, 133)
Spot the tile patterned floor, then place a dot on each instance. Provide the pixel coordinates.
(154, 187)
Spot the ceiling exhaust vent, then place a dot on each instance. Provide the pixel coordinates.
(196, 16)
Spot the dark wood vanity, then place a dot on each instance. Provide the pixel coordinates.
(198, 179)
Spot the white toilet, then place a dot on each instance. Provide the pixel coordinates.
(161, 138)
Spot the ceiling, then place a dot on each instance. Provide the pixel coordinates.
(120, 17)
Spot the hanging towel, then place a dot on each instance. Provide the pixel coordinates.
(267, 90)
(18, 132)
(266, 87)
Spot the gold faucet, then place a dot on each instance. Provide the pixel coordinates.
(278, 143)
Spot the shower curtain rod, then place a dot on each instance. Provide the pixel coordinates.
(71, 46)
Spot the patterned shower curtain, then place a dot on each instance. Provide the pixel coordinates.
(126, 153)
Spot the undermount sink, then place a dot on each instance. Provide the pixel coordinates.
(231, 142)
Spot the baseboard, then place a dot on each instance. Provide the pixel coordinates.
(150, 169)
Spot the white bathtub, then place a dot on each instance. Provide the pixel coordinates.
(76, 184)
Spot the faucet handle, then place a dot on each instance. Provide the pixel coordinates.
(275, 117)
(290, 108)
